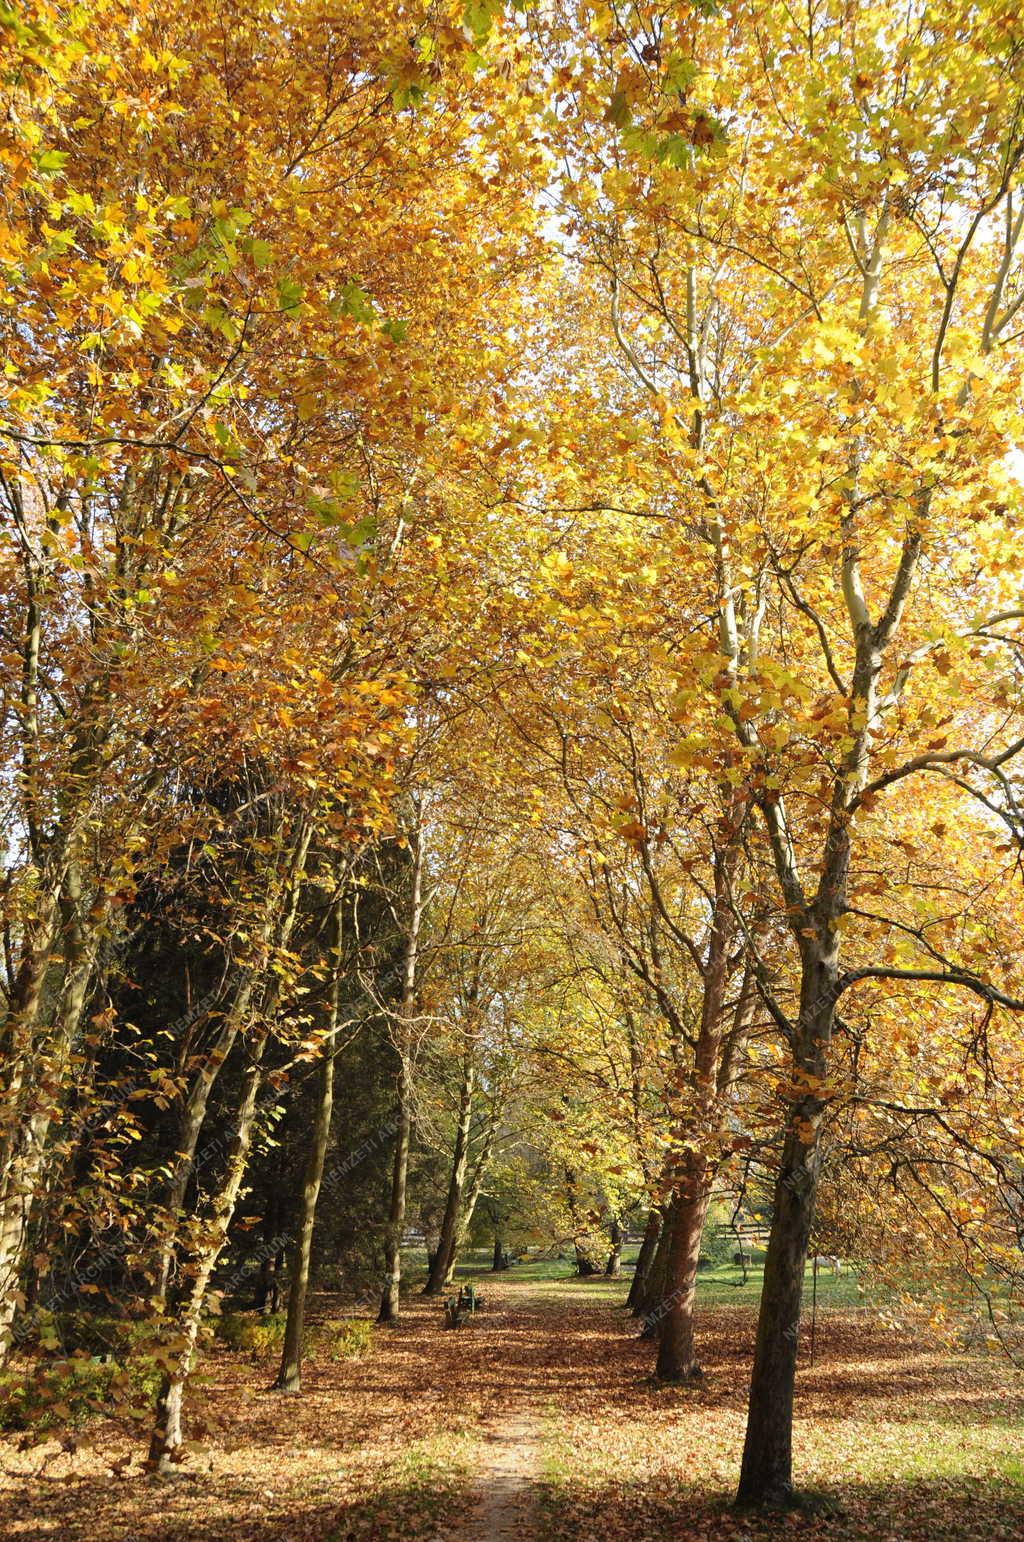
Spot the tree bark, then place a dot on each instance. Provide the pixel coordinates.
(585, 1265)
(465, 1215)
(676, 1357)
(289, 1376)
(614, 1263)
(654, 1286)
(767, 1467)
(644, 1260)
(586, 1268)
(193, 1116)
(278, 922)
(389, 1304)
(167, 1434)
(443, 1261)
(28, 1112)
(266, 1285)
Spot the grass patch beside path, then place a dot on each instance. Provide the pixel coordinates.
(906, 1442)
(416, 1494)
(724, 1286)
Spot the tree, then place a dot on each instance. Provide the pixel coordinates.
(828, 533)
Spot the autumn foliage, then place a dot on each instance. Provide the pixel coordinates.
(510, 650)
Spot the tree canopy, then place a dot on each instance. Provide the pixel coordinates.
(511, 675)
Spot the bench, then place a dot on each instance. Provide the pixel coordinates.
(465, 1304)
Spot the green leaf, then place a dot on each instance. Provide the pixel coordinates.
(355, 302)
(618, 113)
(479, 16)
(362, 533)
(680, 74)
(674, 150)
(51, 160)
(344, 484)
(289, 294)
(409, 95)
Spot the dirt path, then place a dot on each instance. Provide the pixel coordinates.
(506, 1348)
(503, 1499)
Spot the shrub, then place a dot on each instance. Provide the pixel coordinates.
(343, 1338)
(94, 1333)
(58, 1393)
(340, 1338)
(716, 1246)
(256, 1335)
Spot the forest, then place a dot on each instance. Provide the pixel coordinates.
(511, 770)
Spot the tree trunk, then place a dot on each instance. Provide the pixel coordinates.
(676, 1358)
(276, 1280)
(766, 1474)
(443, 1262)
(290, 1373)
(585, 1265)
(266, 1284)
(27, 1111)
(165, 1446)
(389, 1304)
(655, 1288)
(193, 1116)
(279, 919)
(498, 1258)
(465, 1215)
(614, 1264)
(644, 1260)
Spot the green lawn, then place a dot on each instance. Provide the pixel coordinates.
(723, 1286)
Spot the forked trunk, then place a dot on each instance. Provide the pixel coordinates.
(167, 1437)
(193, 1117)
(443, 1261)
(26, 1110)
(278, 921)
(467, 1210)
(655, 1290)
(693, 1181)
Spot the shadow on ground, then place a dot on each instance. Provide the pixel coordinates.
(913, 1445)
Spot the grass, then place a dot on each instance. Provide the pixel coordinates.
(415, 1494)
(909, 1441)
(721, 1286)
(906, 1441)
